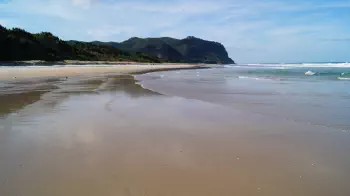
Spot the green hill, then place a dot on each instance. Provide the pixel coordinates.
(189, 50)
(18, 45)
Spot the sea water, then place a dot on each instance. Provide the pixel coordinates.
(317, 94)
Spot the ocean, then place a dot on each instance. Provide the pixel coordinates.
(317, 94)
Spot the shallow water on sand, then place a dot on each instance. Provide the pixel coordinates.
(280, 91)
(108, 136)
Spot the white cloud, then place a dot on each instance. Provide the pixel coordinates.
(50, 8)
(3, 22)
(82, 3)
(294, 30)
(168, 7)
(107, 33)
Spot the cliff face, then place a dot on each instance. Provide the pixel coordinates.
(188, 50)
(197, 50)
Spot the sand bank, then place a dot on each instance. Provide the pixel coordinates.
(11, 73)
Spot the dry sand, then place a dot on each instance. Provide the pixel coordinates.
(10, 73)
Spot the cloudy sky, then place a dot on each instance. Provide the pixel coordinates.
(253, 31)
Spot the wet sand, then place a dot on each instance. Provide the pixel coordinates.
(21, 86)
(106, 135)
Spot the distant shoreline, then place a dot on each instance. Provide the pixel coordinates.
(28, 72)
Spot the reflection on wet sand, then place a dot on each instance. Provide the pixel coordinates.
(127, 84)
(15, 95)
(12, 102)
(18, 94)
(126, 140)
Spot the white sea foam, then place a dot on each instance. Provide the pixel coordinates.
(300, 65)
(310, 73)
(231, 66)
(252, 78)
(343, 78)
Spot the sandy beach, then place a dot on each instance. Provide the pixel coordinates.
(24, 85)
(28, 72)
(100, 132)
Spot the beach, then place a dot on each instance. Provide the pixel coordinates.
(104, 130)
(35, 71)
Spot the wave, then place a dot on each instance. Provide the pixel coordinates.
(295, 71)
(310, 73)
(300, 72)
(326, 64)
(300, 65)
(252, 78)
(232, 66)
(345, 74)
(343, 78)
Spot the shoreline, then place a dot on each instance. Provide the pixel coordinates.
(28, 72)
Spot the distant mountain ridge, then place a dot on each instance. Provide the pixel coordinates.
(188, 50)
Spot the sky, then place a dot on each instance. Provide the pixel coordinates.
(253, 31)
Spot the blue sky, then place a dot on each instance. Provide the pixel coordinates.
(253, 31)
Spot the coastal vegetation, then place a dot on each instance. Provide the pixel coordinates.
(19, 45)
